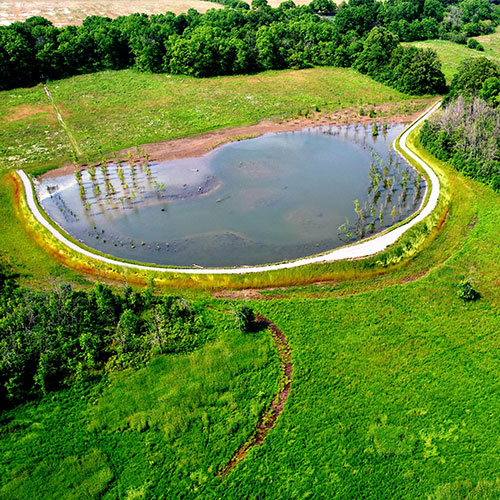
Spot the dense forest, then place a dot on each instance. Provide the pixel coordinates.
(62, 336)
(244, 39)
(466, 132)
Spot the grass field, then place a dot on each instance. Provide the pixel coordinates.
(182, 416)
(112, 110)
(451, 54)
(394, 394)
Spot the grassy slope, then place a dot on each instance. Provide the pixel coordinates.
(395, 392)
(451, 54)
(109, 111)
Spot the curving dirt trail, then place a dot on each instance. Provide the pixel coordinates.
(271, 414)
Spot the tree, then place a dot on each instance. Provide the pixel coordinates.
(323, 7)
(434, 9)
(471, 75)
(417, 71)
(244, 317)
(490, 92)
(377, 51)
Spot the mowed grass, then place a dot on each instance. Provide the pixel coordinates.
(165, 428)
(113, 110)
(394, 394)
(452, 54)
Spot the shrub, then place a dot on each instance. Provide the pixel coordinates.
(466, 291)
(245, 318)
(474, 45)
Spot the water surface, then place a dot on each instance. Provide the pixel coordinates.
(277, 197)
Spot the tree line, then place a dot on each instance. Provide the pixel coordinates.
(52, 338)
(242, 39)
(466, 132)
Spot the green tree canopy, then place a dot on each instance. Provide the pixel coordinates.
(471, 75)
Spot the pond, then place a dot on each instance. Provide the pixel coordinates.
(277, 197)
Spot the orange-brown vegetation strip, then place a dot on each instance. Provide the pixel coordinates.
(271, 414)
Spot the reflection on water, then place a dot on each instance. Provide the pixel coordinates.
(277, 197)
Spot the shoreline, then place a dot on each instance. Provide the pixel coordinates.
(201, 144)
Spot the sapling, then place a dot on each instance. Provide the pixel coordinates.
(466, 291)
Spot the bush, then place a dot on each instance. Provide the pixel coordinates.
(474, 45)
(467, 292)
(245, 318)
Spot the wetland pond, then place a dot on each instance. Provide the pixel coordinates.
(277, 197)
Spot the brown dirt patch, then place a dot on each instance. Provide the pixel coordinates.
(409, 279)
(247, 294)
(271, 414)
(24, 110)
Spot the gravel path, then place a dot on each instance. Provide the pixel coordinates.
(358, 250)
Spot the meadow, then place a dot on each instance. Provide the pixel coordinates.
(452, 54)
(112, 110)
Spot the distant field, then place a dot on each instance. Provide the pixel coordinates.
(109, 111)
(451, 54)
(62, 12)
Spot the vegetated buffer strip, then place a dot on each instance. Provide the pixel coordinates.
(361, 249)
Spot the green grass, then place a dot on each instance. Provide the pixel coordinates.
(112, 110)
(29, 131)
(166, 427)
(451, 54)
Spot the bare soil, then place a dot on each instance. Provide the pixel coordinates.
(66, 12)
(24, 110)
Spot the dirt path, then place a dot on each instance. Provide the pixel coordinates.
(72, 140)
(271, 414)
